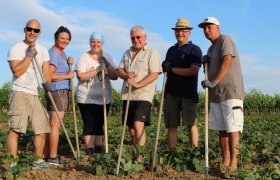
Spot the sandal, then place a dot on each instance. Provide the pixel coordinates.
(229, 172)
(223, 168)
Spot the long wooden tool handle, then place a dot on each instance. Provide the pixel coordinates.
(206, 124)
(105, 111)
(74, 113)
(123, 129)
(159, 120)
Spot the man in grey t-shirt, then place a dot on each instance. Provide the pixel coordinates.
(226, 92)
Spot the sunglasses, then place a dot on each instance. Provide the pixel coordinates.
(135, 37)
(29, 29)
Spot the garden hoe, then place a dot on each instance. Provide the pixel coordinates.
(159, 119)
(74, 111)
(206, 118)
(53, 103)
(104, 106)
(123, 129)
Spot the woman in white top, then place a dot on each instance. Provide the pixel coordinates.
(90, 94)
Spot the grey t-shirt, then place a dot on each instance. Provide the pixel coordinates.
(231, 86)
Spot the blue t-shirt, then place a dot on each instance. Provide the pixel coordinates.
(183, 57)
(62, 67)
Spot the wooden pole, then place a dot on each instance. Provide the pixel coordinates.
(159, 120)
(74, 112)
(123, 129)
(105, 110)
(206, 124)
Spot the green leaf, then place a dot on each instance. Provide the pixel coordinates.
(138, 167)
(99, 171)
(183, 168)
(127, 166)
(177, 160)
(199, 165)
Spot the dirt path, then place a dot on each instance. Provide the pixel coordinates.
(73, 171)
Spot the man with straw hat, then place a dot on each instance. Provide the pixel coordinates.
(182, 64)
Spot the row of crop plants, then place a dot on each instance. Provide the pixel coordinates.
(255, 102)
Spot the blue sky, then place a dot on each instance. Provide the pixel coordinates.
(253, 24)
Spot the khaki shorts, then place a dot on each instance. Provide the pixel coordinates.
(174, 107)
(24, 108)
(227, 116)
(61, 100)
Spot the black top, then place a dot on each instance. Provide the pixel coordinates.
(183, 57)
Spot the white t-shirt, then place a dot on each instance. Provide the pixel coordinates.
(28, 82)
(91, 92)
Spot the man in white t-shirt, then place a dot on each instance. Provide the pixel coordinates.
(24, 102)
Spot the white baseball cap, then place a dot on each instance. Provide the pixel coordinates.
(209, 20)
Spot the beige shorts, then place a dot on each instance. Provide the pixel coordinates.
(24, 108)
(227, 115)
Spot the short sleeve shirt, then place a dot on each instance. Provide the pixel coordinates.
(231, 86)
(28, 82)
(183, 57)
(147, 61)
(91, 92)
(62, 67)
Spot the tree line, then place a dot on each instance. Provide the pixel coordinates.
(255, 102)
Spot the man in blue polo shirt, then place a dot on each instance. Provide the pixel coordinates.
(182, 64)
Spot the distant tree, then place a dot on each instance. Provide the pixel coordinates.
(156, 102)
(4, 96)
(116, 105)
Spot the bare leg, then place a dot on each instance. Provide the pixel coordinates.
(98, 140)
(140, 134)
(193, 135)
(172, 137)
(224, 144)
(133, 137)
(12, 143)
(47, 146)
(39, 143)
(234, 148)
(89, 141)
(132, 134)
(54, 135)
(139, 137)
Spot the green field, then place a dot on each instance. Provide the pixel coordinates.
(259, 152)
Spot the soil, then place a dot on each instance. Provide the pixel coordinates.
(73, 171)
